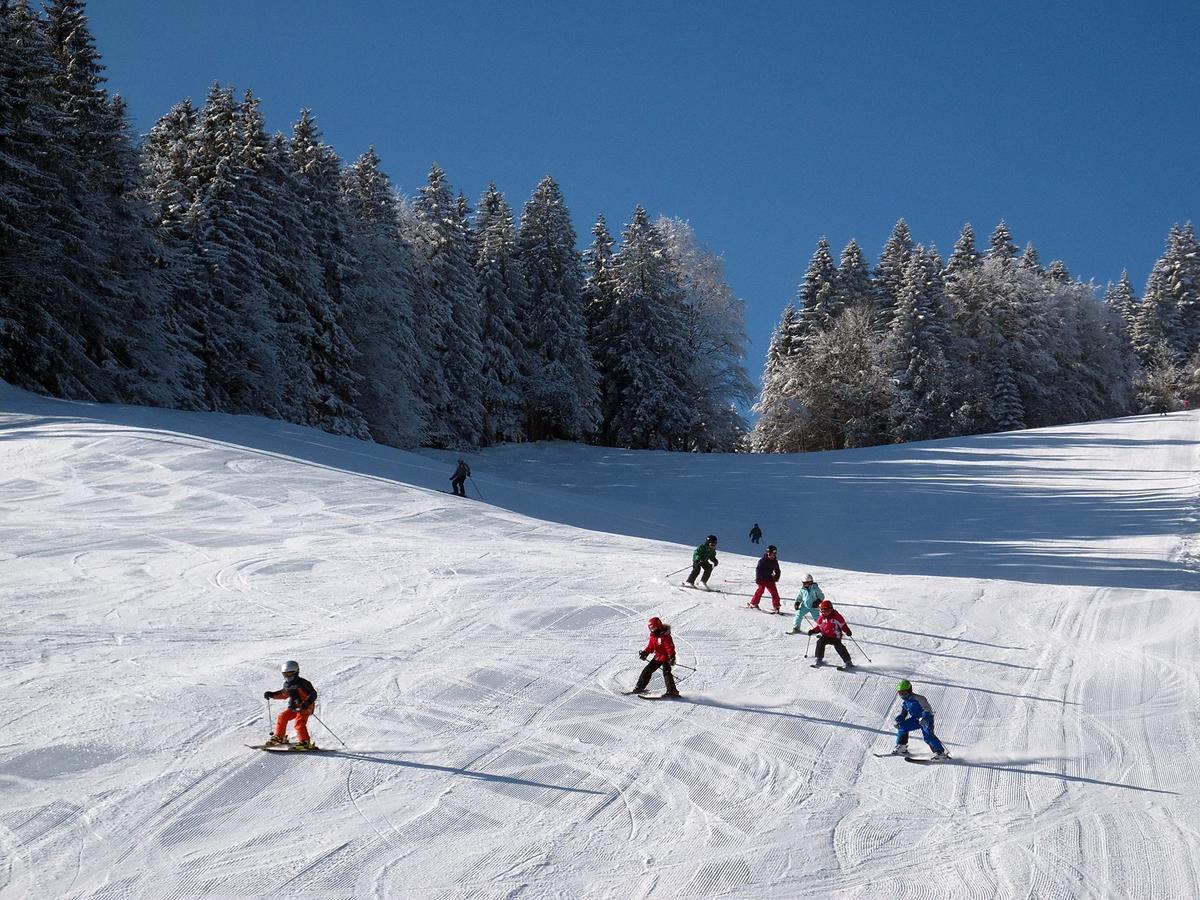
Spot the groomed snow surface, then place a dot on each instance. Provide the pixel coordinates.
(156, 567)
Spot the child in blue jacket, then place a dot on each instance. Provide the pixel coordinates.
(915, 712)
(808, 602)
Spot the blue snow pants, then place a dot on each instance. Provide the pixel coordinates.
(911, 723)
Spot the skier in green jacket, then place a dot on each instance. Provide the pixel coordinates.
(704, 558)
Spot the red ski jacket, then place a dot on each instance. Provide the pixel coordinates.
(832, 625)
(661, 645)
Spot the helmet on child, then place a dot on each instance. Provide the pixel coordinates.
(712, 539)
(824, 605)
(291, 667)
(808, 579)
(771, 548)
(904, 687)
(655, 623)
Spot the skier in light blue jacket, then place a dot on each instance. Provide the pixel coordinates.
(806, 603)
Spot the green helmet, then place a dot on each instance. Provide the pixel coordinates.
(903, 686)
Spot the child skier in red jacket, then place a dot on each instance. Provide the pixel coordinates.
(663, 648)
(831, 626)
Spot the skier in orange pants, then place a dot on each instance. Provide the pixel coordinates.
(302, 701)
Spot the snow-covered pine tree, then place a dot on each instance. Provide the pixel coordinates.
(1095, 369)
(502, 293)
(889, 272)
(965, 256)
(854, 285)
(780, 424)
(1030, 259)
(1156, 321)
(168, 192)
(237, 324)
(381, 328)
(271, 214)
(651, 370)
(42, 307)
(1058, 272)
(917, 347)
(1161, 382)
(1180, 268)
(452, 286)
(718, 386)
(818, 295)
(429, 318)
(1000, 244)
(1121, 299)
(331, 355)
(562, 397)
(841, 393)
(600, 301)
(987, 393)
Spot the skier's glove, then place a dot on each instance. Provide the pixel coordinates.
(849, 633)
(899, 720)
(812, 631)
(267, 695)
(716, 563)
(797, 604)
(643, 655)
(671, 660)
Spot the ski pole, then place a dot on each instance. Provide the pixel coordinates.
(479, 492)
(677, 571)
(860, 649)
(682, 666)
(327, 728)
(807, 645)
(270, 724)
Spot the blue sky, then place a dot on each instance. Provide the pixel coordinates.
(766, 125)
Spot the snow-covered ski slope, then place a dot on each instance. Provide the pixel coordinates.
(156, 567)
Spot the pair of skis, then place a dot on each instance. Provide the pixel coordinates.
(284, 748)
(919, 760)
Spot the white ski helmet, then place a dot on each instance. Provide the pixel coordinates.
(291, 666)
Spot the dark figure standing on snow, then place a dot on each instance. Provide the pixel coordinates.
(766, 574)
(459, 478)
(662, 647)
(755, 534)
(831, 626)
(915, 712)
(704, 559)
(302, 702)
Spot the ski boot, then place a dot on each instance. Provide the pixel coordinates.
(305, 745)
(794, 631)
(900, 750)
(672, 695)
(278, 739)
(941, 754)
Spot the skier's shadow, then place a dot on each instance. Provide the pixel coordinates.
(974, 659)
(387, 758)
(940, 637)
(1015, 768)
(871, 669)
(762, 710)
